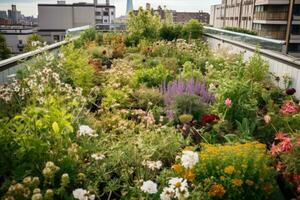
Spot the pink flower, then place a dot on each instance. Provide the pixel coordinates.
(279, 166)
(280, 136)
(298, 142)
(289, 108)
(286, 145)
(275, 149)
(298, 189)
(228, 102)
(267, 119)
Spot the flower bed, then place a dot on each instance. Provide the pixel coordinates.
(163, 120)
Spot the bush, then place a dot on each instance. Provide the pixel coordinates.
(170, 32)
(87, 36)
(144, 98)
(144, 25)
(4, 51)
(33, 42)
(152, 77)
(192, 30)
(241, 30)
(232, 171)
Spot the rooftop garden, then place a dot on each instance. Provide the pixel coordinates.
(152, 113)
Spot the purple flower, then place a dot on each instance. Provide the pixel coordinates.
(290, 91)
(181, 87)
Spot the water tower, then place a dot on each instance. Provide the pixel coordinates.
(129, 7)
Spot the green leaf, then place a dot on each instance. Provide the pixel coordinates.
(55, 127)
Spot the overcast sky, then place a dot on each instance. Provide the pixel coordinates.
(29, 7)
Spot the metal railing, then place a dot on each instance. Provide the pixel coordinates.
(10, 66)
(263, 43)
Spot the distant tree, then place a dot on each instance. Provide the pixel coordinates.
(144, 25)
(4, 50)
(192, 30)
(33, 42)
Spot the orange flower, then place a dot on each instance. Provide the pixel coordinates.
(229, 170)
(237, 182)
(216, 190)
(177, 168)
(189, 175)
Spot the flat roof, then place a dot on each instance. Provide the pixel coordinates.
(78, 5)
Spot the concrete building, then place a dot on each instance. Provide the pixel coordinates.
(16, 37)
(55, 19)
(232, 13)
(276, 19)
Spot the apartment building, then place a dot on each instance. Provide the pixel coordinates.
(55, 19)
(276, 19)
(232, 13)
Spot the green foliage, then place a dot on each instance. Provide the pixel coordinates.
(75, 68)
(89, 35)
(257, 69)
(152, 77)
(189, 104)
(192, 30)
(241, 30)
(145, 98)
(170, 32)
(4, 50)
(33, 42)
(144, 25)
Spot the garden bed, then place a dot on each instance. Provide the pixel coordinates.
(160, 120)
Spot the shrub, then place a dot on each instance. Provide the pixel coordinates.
(144, 25)
(33, 42)
(170, 32)
(87, 36)
(192, 30)
(4, 51)
(146, 97)
(152, 77)
(241, 30)
(257, 69)
(232, 171)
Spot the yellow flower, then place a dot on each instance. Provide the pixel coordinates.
(229, 169)
(177, 168)
(237, 182)
(216, 190)
(189, 175)
(249, 182)
(222, 178)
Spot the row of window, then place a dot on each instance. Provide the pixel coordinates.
(105, 13)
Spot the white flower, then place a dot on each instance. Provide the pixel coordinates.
(180, 186)
(86, 130)
(80, 194)
(189, 159)
(167, 194)
(152, 164)
(98, 156)
(149, 187)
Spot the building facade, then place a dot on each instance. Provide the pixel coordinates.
(16, 37)
(55, 19)
(275, 19)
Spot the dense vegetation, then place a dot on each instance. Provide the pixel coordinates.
(241, 30)
(155, 119)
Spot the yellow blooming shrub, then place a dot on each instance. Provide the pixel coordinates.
(238, 171)
(232, 171)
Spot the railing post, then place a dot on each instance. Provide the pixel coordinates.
(289, 25)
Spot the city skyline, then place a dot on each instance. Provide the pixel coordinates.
(29, 7)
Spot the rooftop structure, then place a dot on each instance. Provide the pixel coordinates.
(129, 7)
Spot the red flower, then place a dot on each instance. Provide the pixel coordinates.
(298, 189)
(286, 145)
(275, 149)
(296, 178)
(280, 136)
(289, 108)
(209, 118)
(298, 142)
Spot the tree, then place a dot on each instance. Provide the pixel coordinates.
(33, 42)
(4, 50)
(192, 30)
(144, 25)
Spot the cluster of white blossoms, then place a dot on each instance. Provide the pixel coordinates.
(85, 130)
(189, 159)
(178, 189)
(82, 194)
(98, 156)
(149, 187)
(152, 165)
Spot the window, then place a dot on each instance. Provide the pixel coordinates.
(105, 13)
(56, 37)
(112, 13)
(20, 41)
(105, 21)
(98, 13)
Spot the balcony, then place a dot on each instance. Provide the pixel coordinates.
(278, 35)
(271, 16)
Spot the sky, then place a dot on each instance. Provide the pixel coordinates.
(29, 7)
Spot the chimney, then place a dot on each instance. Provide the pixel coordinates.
(107, 2)
(61, 2)
(95, 2)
